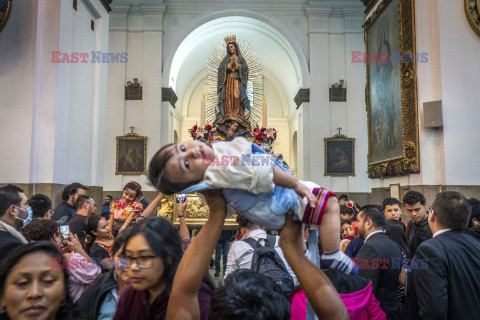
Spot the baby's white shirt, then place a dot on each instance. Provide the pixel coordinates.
(232, 168)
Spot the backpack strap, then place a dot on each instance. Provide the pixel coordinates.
(251, 242)
(270, 241)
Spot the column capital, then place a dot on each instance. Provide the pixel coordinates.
(118, 16)
(153, 17)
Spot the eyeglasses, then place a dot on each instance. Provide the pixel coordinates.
(143, 262)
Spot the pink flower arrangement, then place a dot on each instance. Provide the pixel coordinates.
(203, 133)
(265, 135)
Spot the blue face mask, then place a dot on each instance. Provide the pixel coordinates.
(29, 217)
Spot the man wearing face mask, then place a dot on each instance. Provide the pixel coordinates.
(13, 216)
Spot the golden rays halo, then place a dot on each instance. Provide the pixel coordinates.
(254, 83)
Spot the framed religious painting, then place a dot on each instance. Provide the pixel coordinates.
(339, 156)
(391, 91)
(131, 155)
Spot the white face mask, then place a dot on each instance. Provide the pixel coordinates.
(27, 215)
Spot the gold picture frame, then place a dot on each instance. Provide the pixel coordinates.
(472, 11)
(131, 156)
(339, 156)
(5, 11)
(196, 213)
(391, 96)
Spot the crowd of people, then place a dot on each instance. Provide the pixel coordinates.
(126, 263)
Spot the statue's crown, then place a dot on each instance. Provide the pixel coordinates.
(231, 38)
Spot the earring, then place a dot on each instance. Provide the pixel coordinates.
(3, 308)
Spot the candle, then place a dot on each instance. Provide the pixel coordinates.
(264, 114)
(202, 111)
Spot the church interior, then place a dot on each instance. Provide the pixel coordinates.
(80, 77)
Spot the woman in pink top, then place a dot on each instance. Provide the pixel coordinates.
(355, 292)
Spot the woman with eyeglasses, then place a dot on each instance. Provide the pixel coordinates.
(100, 299)
(152, 253)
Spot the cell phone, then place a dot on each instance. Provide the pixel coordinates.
(65, 232)
(183, 197)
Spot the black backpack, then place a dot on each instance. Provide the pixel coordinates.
(266, 261)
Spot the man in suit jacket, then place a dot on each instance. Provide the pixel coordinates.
(448, 287)
(380, 260)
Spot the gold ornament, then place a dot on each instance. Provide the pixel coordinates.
(231, 38)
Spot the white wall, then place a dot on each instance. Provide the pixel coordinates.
(136, 30)
(334, 32)
(17, 87)
(460, 67)
(56, 107)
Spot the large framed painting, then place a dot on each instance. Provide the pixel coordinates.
(339, 156)
(391, 92)
(131, 154)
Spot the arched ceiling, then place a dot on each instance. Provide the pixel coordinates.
(275, 52)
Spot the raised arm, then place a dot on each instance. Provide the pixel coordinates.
(183, 302)
(152, 205)
(319, 290)
(184, 233)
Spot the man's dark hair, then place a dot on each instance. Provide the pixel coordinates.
(9, 195)
(81, 200)
(109, 196)
(374, 213)
(412, 197)
(391, 202)
(452, 210)
(246, 294)
(159, 177)
(42, 229)
(343, 196)
(244, 223)
(475, 205)
(40, 205)
(71, 189)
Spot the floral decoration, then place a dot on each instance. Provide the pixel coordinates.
(202, 133)
(265, 135)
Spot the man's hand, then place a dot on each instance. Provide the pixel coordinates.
(215, 200)
(303, 191)
(291, 232)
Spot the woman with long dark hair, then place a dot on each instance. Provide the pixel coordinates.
(152, 253)
(98, 240)
(33, 284)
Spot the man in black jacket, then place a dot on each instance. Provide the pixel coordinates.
(66, 210)
(13, 210)
(379, 260)
(448, 287)
(417, 229)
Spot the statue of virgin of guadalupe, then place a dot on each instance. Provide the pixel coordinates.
(232, 83)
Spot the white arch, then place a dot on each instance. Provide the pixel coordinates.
(201, 27)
